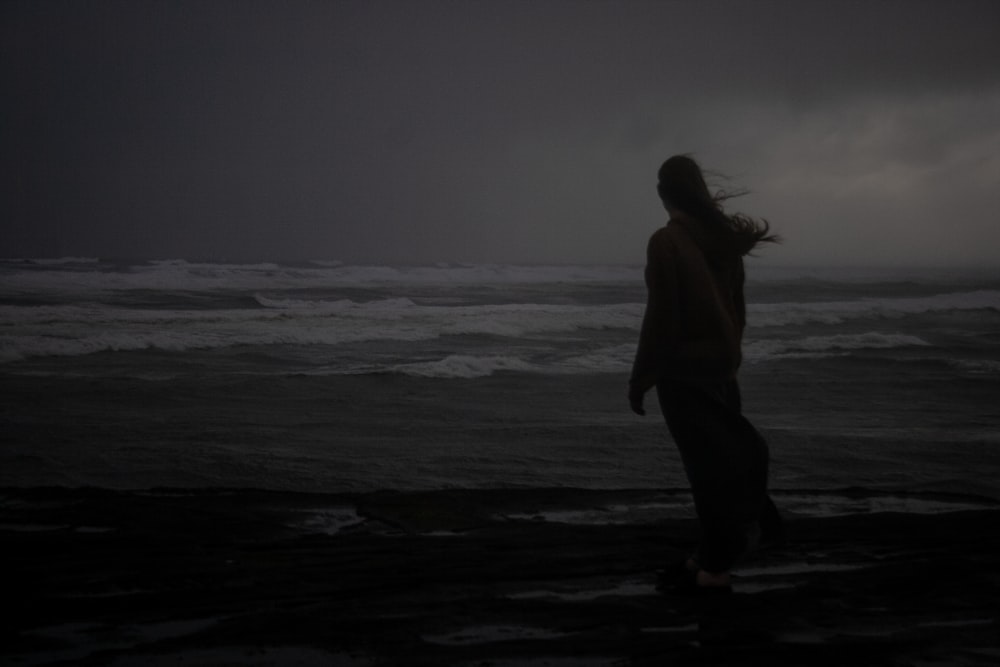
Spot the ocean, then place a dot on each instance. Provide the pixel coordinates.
(326, 377)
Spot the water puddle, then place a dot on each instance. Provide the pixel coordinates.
(328, 520)
(487, 634)
(796, 568)
(626, 589)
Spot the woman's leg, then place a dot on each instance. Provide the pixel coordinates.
(726, 464)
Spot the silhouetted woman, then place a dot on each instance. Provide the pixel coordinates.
(690, 350)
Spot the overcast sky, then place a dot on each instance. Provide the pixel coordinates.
(494, 131)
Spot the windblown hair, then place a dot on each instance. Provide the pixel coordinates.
(682, 186)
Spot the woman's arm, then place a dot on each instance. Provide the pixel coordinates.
(659, 323)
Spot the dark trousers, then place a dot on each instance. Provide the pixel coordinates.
(726, 461)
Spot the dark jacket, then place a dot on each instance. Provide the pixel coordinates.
(695, 313)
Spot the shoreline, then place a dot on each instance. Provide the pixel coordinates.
(477, 577)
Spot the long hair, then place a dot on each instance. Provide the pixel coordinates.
(682, 186)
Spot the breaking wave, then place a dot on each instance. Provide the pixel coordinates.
(837, 312)
(87, 327)
(78, 329)
(820, 346)
(465, 366)
(77, 275)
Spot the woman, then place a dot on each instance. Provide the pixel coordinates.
(689, 349)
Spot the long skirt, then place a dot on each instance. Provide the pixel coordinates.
(726, 462)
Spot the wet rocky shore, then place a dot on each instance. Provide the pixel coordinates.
(481, 577)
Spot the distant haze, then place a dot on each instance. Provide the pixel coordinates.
(494, 131)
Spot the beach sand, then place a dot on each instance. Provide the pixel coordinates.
(488, 577)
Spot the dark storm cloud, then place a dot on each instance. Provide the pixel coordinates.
(479, 131)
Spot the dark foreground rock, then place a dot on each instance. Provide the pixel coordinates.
(512, 577)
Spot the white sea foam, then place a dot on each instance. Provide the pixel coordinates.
(465, 366)
(85, 328)
(618, 358)
(818, 346)
(837, 312)
(613, 359)
(760, 315)
(308, 307)
(71, 330)
(764, 271)
(277, 304)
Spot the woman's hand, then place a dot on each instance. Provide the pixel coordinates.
(635, 396)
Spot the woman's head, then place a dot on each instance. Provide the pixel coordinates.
(682, 187)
